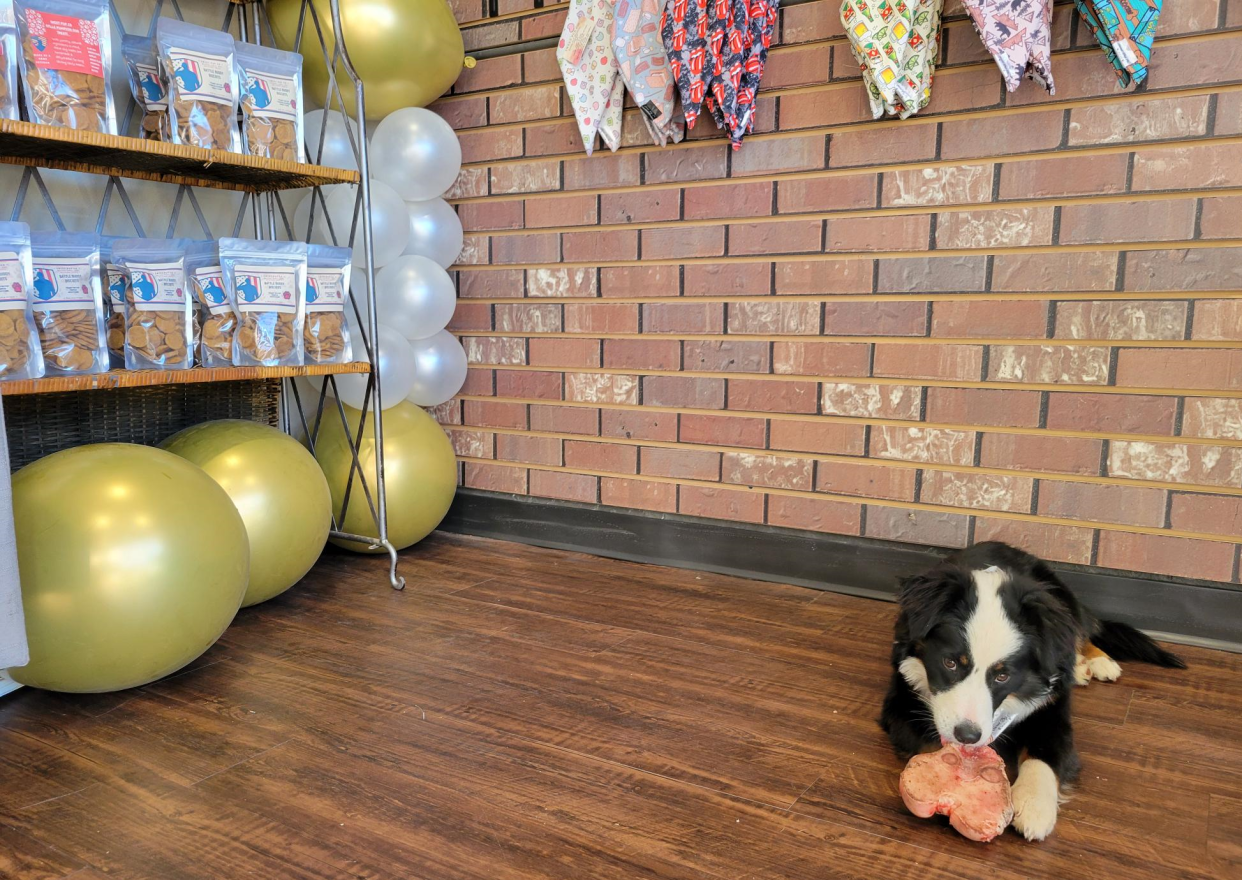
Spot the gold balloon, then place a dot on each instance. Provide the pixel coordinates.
(407, 52)
(419, 466)
(277, 487)
(133, 561)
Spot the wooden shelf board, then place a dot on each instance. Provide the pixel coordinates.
(139, 378)
(48, 146)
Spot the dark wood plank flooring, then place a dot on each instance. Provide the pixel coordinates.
(527, 713)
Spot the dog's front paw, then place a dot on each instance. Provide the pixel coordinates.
(1035, 800)
(1104, 668)
(1082, 671)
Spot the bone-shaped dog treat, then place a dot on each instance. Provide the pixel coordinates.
(968, 786)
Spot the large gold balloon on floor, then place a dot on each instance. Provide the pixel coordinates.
(278, 489)
(133, 561)
(419, 466)
(408, 52)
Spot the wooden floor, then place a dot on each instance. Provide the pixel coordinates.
(524, 713)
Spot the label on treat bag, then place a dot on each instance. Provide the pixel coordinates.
(62, 42)
(209, 287)
(577, 42)
(118, 286)
(12, 282)
(62, 283)
(157, 286)
(325, 290)
(1125, 52)
(154, 95)
(266, 288)
(201, 77)
(270, 94)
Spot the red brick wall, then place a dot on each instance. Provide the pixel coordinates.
(1012, 316)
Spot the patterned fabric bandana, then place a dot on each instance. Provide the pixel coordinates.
(644, 66)
(1019, 36)
(590, 68)
(717, 49)
(1125, 30)
(896, 44)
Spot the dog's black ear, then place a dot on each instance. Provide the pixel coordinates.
(924, 597)
(1056, 629)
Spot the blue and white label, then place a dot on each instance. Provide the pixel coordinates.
(118, 286)
(157, 287)
(201, 77)
(12, 282)
(62, 283)
(271, 95)
(266, 288)
(154, 94)
(325, 290)
(209, 286)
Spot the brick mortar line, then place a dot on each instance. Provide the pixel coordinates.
(933, 211)
(1230, 393)
(985, 342)
(855, 256)
(863, 421)
(878, 502)
(871, 461)
(1078, 152)
(972, 296)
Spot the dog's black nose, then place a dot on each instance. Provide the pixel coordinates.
(967, 732)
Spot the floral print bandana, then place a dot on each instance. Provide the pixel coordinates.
(717, 49)
(1125, 30)
(585, 56)
(1018, 34)
(896, 43)
(643, 62)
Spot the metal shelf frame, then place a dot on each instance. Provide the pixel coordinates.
(264, 208)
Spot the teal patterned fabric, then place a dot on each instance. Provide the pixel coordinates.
(1125, 30)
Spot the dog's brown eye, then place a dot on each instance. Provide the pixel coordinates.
(1002, 677)
(950, 663)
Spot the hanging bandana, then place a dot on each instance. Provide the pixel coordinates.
(763, 15)
(712, 45)
(644, 67)
(1019, 36)
(589, 66)
(1125, 30)
(896, 47)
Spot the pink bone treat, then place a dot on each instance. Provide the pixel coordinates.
(967, 785)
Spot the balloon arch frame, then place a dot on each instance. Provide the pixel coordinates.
(268, 215)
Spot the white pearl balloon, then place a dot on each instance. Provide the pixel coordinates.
(415, 296)
(439, 369)
(416, 152)
(434, 231)
(396, 368)
(338, 152)
(389, 233)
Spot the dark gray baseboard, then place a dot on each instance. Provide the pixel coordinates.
(1197, 612)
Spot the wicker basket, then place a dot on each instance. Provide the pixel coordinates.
(40, 424)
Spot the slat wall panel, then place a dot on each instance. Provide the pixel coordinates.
(1013, 316)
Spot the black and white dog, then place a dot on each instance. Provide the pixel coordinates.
(987, 648)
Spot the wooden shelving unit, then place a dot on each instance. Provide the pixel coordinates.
(140, 378)
(47, 146)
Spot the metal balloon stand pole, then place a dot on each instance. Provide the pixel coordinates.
(372, 397)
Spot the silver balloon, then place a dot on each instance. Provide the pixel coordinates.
(389, 233)
(439, 369)
(415, 296)
(396, 369)
(435, 231)
(415, 152)
(338, 152)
